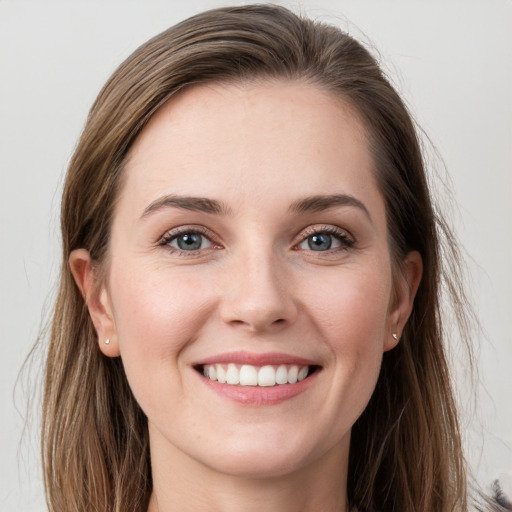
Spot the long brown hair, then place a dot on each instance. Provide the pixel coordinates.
(406, 450)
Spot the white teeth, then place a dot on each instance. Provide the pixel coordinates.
(221, 374)
(282, 375)
(293, 373)
(249, 375)
(303, 373)
(233, 374)
(266, 376)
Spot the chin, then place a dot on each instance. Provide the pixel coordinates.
(263, 455)
(259, 465)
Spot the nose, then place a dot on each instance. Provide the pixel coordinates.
(258, 294)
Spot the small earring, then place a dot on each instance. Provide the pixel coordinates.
(107, 341)
(395, 335)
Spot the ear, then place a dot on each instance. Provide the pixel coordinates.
(97, 300)
(406, 286)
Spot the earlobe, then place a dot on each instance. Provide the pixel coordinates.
(407, 285)
(97, 300)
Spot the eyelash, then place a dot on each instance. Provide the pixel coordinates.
(187, 230)
(341, 235)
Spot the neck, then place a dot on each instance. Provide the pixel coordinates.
(183, 484)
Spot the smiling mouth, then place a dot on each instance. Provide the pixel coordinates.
(257, 376)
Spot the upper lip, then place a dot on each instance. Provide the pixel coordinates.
(269, 358)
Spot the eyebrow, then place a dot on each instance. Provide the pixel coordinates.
(198, 204)
(320, 202)
(203, 204)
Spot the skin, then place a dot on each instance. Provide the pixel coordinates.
(255, 285)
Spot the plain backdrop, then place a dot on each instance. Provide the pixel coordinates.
(451, 61)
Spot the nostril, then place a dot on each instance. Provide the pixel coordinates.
(279, 321)
(257, 313)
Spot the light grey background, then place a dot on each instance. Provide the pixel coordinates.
(451, 60)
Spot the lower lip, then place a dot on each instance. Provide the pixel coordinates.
(260, 395)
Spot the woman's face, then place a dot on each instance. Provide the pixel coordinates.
(250, 242)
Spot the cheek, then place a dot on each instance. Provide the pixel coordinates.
(351, 312)
(351, 309)
(156, 316)
(155, 308)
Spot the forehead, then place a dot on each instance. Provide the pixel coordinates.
(250, 140)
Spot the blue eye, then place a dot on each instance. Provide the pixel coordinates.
(319, 242)
(326, 239)
(190, 241)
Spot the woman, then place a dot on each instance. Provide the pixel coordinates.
(248, 313)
